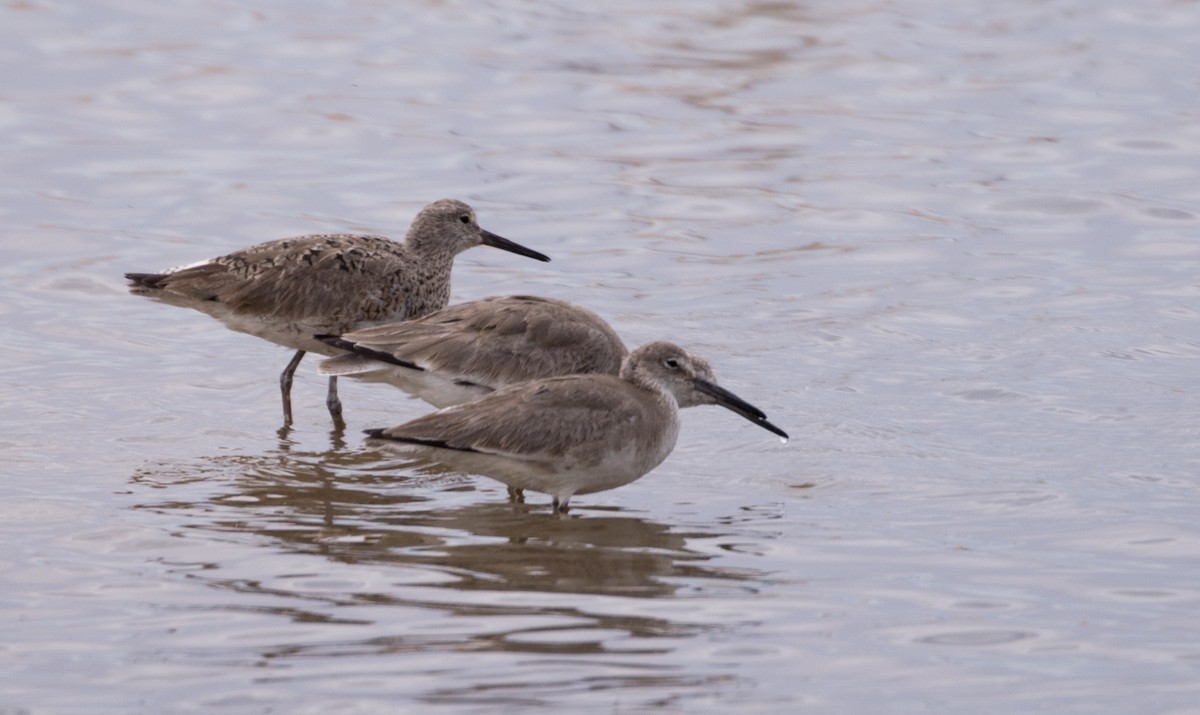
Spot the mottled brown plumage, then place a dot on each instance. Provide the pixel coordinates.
(576, 434)
(289, 290)
(465, 351)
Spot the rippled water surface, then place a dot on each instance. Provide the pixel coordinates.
(950, 247)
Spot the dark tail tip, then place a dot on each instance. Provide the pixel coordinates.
(145, 280)
(335, 341)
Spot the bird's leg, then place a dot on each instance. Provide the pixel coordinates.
(561, 506)
(337, 436)
(285, 385)
(333, 403)
(516, 496)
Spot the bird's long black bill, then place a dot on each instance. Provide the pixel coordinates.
(491, 239)
(732, 402)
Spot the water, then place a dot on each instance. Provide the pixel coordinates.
(950, 249)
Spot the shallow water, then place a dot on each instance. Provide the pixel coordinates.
(950, 249)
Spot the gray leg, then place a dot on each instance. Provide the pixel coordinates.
(285, 385)
(516, 496)
(332, 401)
(561, 506)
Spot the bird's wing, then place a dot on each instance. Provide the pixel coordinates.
(543, 419)
(296, 278)
(500, 341)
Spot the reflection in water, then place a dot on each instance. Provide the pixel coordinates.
(369, 510)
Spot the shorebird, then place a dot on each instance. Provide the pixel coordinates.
(576, 434)
(468, 350)
(289, 290)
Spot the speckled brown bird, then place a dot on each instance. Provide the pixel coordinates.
(289, 290)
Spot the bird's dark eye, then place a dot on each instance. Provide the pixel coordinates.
(671, 363)
(465, 218)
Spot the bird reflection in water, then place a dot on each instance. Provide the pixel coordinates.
(351, 506)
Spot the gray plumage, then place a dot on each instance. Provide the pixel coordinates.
(289, 290)
(576, 434)
(465, 351)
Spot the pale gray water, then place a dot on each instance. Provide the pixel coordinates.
(951, 248)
